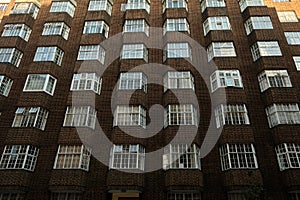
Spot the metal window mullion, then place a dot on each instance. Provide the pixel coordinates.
(228, 154)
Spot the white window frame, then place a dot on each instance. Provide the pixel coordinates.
(19, 157)
(250, 3)
(132, 115)
(258, 23)
(136, 25)
(138, 4)
(72, 157)
(178, 80)
(292, 38)
(287, 16)
(17, 30)
(134, 51)
(133, 81)
(220, 49)
(86, 82)
(176, 24)
(63, 6)
(181, 115)
(171, 4)
(101, 5)
(12, 195)
(273, 78)
(40, 83)
(32, 117)
(91, 52)
(288, 156)
(80, 116)
(5, 85)
(212, 4)
(219, 23)
(66, 195)
(3, 6)
(265, 49)
(49, 54)
(130, 156)
(96, 27)
(25, 8)
(11, 55)
(225, 78)
(283, 113)
(238, 156)
(297, 62)
(181, 156)
(184, 195)
(294, 195)
(231, 114)
(56, 28)
(177, 50)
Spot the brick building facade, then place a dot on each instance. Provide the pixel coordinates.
(239, 60)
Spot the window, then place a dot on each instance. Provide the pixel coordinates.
(51, 54)
(182, 195)
(19, 30)
(99, 5)
(25, 8)
(185, 114)
(63, 6)
(264, 48)
(5, 85)
(294, 195)
(249, 3)
(133, 81)
(273, 78)
(181, 156)
(212, 4)
(258, 23)
(238, 156)
(94, 27)
(127, 156)
(297, 62)
(136, 25)
(10, 55)
(138, 4)
(283, 114)
(216, 23)
(130, 116)
(225, 78)
(40, 83)
(72, 157)
(167, 4)
(56, 28)
(91, 52)
(293, 38)
(236, 195)
(3, 7)
(66, 196)
(235, 114)
(281, 0)
(86, 81)
(80, 116)
(11, 196)
(287, 16)
(35, 117)
(134, 51)
(178, 80)
(19, 157)
(177, 50)
(176, 24)
(221, 49)
(288, 155)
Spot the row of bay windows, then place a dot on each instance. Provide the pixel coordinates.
(140, 51)
(175, 115)
(133, 156)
